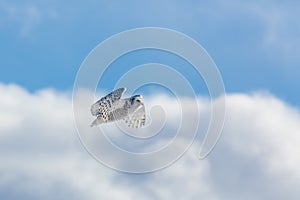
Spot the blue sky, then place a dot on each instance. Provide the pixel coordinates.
(255, 44)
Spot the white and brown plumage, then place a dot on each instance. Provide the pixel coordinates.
(112, 108)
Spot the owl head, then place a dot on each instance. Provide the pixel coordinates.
(136, 101)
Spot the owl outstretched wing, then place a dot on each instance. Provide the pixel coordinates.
(106, 104)
(111, 108)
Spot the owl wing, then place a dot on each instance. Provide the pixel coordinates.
(137, 118)
(106, 104)
(120, 110)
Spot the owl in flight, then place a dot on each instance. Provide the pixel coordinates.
(112, 108)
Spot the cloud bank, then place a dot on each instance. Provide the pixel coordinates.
(41, 156)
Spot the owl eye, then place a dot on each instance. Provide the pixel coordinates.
(138, 100)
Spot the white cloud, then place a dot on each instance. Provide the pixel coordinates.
(42, 158)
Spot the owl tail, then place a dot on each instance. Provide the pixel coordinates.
(97, 121)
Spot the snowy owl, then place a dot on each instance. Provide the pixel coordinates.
(112, 108)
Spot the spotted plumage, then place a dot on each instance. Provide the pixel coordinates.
(112, 108)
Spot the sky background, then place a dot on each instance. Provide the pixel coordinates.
(256, 46)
